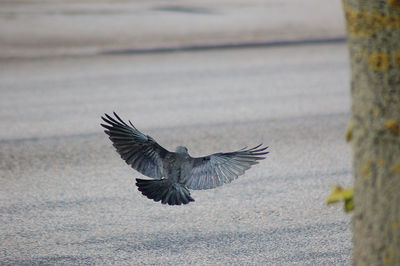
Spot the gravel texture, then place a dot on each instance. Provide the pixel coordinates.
(67, 198)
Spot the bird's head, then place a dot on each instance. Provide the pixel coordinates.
(181, 149)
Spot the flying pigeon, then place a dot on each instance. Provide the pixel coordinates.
(174, 173)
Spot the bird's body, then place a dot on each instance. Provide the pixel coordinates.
(173, 173)
(178, 166)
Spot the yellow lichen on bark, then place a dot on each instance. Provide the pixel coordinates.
(395, 225)
(396, 167)
(373, 29)
(388, 256)
(393, 126)
(397, 58)
(366, 168)
(393, 21)
(379, 61)
(394, 4)
(376, 111)
(362, 23)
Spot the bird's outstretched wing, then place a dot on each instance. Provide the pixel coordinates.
(221, 168)
(140, 151)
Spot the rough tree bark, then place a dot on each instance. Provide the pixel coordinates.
(373, 28)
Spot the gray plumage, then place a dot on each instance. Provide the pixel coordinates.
(173, 173)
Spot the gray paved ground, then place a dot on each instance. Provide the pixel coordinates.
(42, 27)
(67, 197)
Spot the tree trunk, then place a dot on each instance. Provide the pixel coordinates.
(373, 28)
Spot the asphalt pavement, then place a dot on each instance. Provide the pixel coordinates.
(47, 28)
(67, 198)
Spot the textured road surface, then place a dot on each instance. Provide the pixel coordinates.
(67, 197)
(42, 27)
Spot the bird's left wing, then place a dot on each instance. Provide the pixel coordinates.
(221, 168)
(140, 151)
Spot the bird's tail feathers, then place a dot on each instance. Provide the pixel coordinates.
(164, 190)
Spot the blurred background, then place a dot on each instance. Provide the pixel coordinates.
(210, 75)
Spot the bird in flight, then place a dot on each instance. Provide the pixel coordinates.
(174, 173)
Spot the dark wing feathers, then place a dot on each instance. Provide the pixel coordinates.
(140, 151)
(221, 168)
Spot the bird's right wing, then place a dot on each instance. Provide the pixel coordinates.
(140, 151)
(221, 168)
